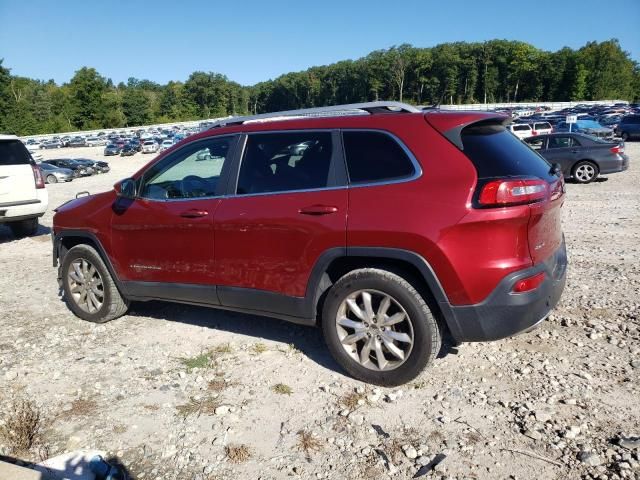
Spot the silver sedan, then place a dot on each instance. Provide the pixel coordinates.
(53, 174)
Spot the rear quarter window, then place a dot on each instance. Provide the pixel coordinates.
(375, 157)
(13, 152)
(497, 154)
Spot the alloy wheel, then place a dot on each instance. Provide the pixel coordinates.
(585, 172)
(85, 285)
(374, 330)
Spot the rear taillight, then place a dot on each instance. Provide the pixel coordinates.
(37, 176)
(617, 149)
(502, 193)
(529, 283)
(534, 132)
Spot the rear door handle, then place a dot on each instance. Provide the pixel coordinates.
(193, 213)
(318, 210)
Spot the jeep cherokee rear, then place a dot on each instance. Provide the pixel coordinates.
(387, 229)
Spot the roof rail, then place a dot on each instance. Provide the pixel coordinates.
(333, 111)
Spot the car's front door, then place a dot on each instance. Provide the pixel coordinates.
(165, 234)
(289, 206)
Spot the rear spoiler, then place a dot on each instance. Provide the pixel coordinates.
(450, 125)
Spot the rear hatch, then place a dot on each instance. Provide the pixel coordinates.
(16, 173)
(512, 174)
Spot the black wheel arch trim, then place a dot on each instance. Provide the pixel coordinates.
(57, 243)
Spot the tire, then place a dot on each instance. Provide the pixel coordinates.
(24, 228)
(112, 306)
(624, 136)
(418, 323)
(584, 172)
(52, 179)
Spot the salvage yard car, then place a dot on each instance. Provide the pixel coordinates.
(79, 169)
(53, 174)
(111, 149)
(581, 157)
(347, 233)
(23, 196)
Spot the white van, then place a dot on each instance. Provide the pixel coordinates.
(23, 196)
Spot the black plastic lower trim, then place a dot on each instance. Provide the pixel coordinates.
(178, 292)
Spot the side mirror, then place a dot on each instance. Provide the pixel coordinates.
(126, 188)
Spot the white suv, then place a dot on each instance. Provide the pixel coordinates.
(23, 196)
(150, 147)
(521, 130)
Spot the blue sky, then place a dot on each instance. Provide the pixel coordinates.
(251, 41)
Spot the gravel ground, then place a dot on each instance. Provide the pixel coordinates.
(180, 392)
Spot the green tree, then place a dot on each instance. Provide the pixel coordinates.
(136, 107)
(86, 91)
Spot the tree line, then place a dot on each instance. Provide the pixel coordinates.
(460, 72)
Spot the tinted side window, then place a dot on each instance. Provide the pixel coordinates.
(13, 152)
(560, 142)
(287, 161)
(375, 156)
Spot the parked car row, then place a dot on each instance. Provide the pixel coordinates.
(66, 169)
(602, 121)
(140, 135)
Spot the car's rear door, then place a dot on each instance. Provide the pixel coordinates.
(16, 174)
(288, 206)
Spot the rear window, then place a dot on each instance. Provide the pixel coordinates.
(375, 156)
(517, 128)
(497, 153)
(13, 152)
(542, 126)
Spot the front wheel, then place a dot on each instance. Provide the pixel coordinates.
(89, 289)
(585, 172)
(379, 328)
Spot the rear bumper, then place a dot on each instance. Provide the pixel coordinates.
(619, 164)
(503, 313)
(22, 210)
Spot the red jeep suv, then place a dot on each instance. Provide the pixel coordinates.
(387, 225)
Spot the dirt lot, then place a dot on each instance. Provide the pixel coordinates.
(179, 392)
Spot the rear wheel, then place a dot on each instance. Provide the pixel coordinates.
(24, 228)
(89, 289)
(52, 179)
(585, 171)
(379, 328)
